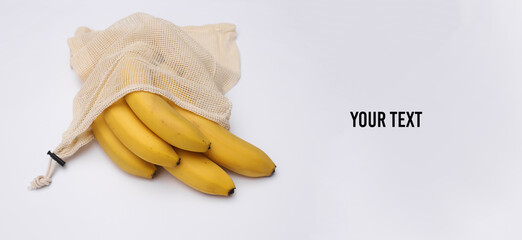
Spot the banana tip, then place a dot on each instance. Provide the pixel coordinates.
(273, 171)
(231, 191)
(179, 161)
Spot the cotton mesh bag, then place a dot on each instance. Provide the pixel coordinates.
(192, 66)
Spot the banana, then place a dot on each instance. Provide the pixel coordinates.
(200, 173)
(228, 150)
(137, 137)
(167, 123)
(118, 153)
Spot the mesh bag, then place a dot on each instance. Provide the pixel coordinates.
(192, 66)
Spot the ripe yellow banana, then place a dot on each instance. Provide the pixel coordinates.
(200, 173)
(118, 153)
(230, 151)
(167, 123)
(137, 137)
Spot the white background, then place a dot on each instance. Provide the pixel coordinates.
(305, 66)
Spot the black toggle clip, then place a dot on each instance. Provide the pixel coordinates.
(56, 158)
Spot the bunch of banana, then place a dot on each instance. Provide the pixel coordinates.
(143, 130)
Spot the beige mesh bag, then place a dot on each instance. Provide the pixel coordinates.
(192, 66)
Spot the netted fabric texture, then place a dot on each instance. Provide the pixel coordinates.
(192, 66)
